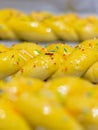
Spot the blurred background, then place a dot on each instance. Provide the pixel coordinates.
(57, 6)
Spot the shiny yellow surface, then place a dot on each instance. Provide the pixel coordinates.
(61, 29)
(40, 110)
(45, 26)
(63, 49)
(43, 66)
(83, 56)
(11, 61)
(16, 85)
(68, 85)
(8, 13)
(92, 73)
(69, 101)
(65, 103)
(8, 64)
(78, 96)
(6, 32)
(87, 28)
(51, 61)
(10, 118)
(45, 113)
(32, 49)
(31, 31)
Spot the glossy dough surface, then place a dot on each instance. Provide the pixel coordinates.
(52, 61)
(62, 103)
(46, 27)
(49, 88)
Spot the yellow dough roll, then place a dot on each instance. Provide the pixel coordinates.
(80, 60)
(63, 49)
(47, 61)
(92, 73)
(42, 66)
(17, 84)
(16, 56)
(45, 26)
(8, 13)
(32, 49)
(79, 97)
(10, 118)
(31, 30)
(60, 24)
(62, 30)
(67, 85)
(41, 118)
(52, 61)
(39, 110)
(6, 32)
(87, 28)
(74, 107)
(5, 15)
(11, 61)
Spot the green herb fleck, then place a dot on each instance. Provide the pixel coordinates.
(38, 51)
(65, 50)
(52, 51)
(18, 59)
(57, 47)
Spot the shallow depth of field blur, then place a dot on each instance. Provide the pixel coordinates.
(57, 6)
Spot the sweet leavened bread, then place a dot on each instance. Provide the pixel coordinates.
(45, 26)
(67, 103)
(54, 87)
(52, 61)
